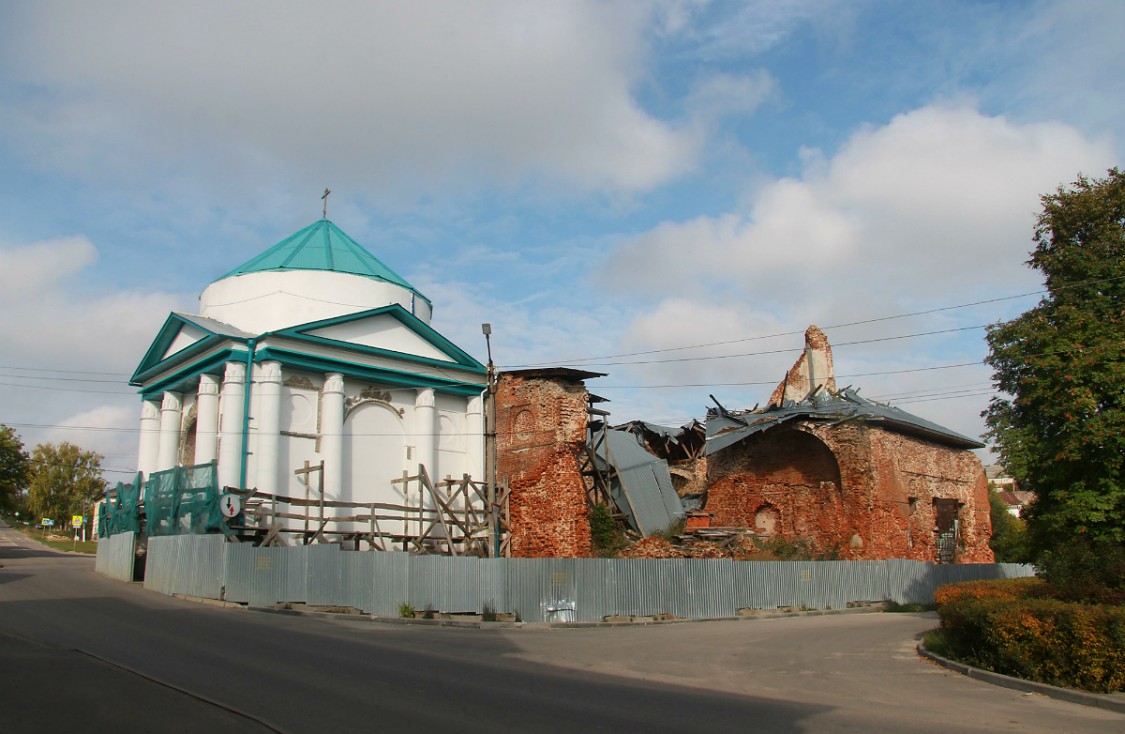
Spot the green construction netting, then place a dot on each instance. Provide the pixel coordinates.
(182, 501)
(120, 512)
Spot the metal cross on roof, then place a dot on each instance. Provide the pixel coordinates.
(325, 197)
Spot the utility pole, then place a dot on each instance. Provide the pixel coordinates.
(490, 448)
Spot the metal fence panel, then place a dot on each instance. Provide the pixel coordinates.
(116, 556)
(390, 582)
(537, 590)
(325, 569)
(266, 576)
(494, 585)
(185, 564)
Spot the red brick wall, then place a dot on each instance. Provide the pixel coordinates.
(540, 432)
(786, 479)
(860, 489)
(907, 467)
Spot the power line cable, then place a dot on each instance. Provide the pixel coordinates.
(782, 351)
(926, 312)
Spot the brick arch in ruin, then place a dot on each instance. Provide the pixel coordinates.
(784, 483)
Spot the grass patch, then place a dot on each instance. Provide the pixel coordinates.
(935, 642)
(57, 541)
(910, 607)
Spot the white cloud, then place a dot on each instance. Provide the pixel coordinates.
(359, 93)
(934, 209)
(116, 439)
(939, 201)
(26, 271)
(726, 94)
(67, 355)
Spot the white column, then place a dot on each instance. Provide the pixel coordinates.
(207, 419)
(149, 448)
(233, 405)
(170, 414)
(332, 434)
(267, 419)
(425, 431)
(474, 445)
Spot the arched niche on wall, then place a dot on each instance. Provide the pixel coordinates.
(375, 452)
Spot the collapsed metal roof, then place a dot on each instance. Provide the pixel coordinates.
(675, 445)
(639, 482)
(726, 428)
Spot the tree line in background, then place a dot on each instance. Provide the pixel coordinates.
(53, 481)
(1059, 425)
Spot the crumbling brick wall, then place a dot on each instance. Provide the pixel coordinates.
(689, 477)
(856, 490)
(541, 431)
(783, 483)
(908, 475)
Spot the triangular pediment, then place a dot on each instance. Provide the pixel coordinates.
(182, 336)
(387, 331)
(187, 335)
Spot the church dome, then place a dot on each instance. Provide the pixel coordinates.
(317, 273)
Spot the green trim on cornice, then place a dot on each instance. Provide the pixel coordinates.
(369, 373)
(188, 374)
(462, 359)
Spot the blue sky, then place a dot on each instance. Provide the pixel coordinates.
(593, 179)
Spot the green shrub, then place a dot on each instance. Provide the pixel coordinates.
(406, 610)
(1010, 541)
(1085, 571)
(1006, 628)
(1021, 588)
(604, 535)
(795, 549)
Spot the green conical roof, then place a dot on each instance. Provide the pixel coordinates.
(322, 246)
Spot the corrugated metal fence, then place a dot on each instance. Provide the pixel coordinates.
(538, 590)
(116, 555)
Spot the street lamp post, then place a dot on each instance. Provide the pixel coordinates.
(490, 448)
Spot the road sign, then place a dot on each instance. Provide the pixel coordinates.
(76, 521)
(229, 505)
(48, 522)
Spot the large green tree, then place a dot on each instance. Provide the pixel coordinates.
(65, 481)
(1009, 533)
(13, 468)
(1060, 426)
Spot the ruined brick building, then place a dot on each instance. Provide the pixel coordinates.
(849, 477)
(854, 478)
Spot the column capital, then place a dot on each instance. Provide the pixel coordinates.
(172, 401)
(269, 372)
(333, 382)
(208, 385)
(424, 398)
(234, 372)
(149, 410)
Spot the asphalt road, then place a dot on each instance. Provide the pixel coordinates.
(81, 651)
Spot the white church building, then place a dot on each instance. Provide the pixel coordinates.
(313, 351)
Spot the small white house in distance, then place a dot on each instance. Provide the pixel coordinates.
(312, 351)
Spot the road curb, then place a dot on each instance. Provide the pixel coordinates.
(1109, 702)
(637, 622)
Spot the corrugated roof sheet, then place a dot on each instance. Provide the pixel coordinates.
(643, 487)
(725, 428)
